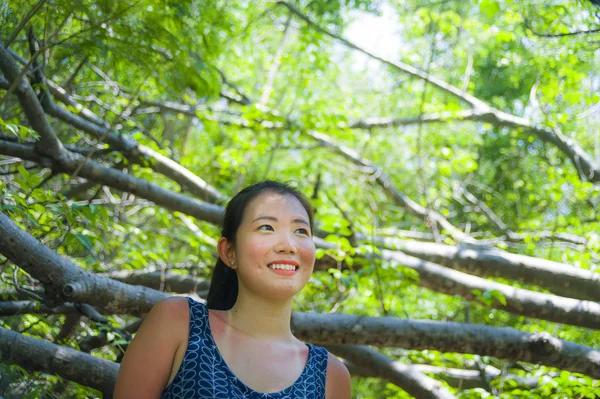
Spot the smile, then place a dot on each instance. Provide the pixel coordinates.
(284, 272)
(283, 266)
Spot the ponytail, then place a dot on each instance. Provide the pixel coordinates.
(223, 287)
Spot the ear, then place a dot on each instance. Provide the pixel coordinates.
(226, 253)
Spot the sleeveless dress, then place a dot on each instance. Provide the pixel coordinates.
(203, 373)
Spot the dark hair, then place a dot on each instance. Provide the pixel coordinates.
(223, 291)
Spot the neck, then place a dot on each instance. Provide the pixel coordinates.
(261, 317)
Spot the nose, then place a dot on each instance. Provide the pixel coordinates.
(285, 244)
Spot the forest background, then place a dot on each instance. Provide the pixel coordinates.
(451, 150)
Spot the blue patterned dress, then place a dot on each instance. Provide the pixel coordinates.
(203, 373)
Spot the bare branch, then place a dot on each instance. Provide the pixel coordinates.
(406, 377)
(515, 300)
(504, 343)
(48, 143)
(24, 21)
(560, 278)
(388, 186)
(41, 355)
(574, 33)
(110, 177)
(65, 282)
(583, 162)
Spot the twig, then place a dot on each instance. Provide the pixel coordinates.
(264, 99)
(24, 290)
(24, 21)
(575, 33)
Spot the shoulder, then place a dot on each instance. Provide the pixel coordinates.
(166, 322)
(146, 366)
(172, 308)
(338, 384)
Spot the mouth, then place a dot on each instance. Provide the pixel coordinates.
(284, 266)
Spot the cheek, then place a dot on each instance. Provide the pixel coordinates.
(253, 247)
(308, 251)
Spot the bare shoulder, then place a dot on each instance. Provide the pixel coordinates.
(168, 319)
(146, 366)
(338, 385)
(172, 307)
(165, 316)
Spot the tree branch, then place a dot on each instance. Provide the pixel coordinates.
(406, 377)
(457, 378)
(515, 300)
(580, 159)
(559, 278)
(13, 308)
(504, 343)
(110, 177)
(135, 152)
(482, 111)
(387, 185)
(396, 65)
(48, 143)
(64, 282)
(41, 355)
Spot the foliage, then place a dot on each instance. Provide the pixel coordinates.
(120, 58)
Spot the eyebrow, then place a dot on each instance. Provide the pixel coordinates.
(274, 219)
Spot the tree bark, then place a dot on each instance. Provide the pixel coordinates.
(14, 308)
(40, 355)
(171, 282)
(584, 163)
(516, 300)
(457, 378)
(503, 343)
(65, 282)
(560, 278)
(408, 378)
(136, 153)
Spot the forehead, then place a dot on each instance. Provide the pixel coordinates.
(274, 204)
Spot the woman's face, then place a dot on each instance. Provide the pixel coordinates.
(274, 231)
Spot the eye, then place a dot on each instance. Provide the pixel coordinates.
(266, 227)
(303, 231)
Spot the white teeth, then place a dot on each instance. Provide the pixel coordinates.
(282, 266)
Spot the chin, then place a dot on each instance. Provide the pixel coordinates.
(282, 294)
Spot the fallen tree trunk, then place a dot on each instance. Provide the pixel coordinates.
(168, 281)
(560, 278)
(75, 285)
(501, 296)
(41, 355)
(515, 300)
(408, 378)
(65, 282)
(14, 308)
(504, 343)
(457, 378)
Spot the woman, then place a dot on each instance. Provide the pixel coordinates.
(240, 344)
